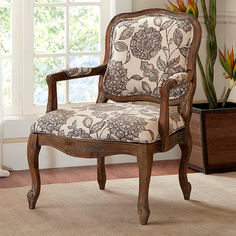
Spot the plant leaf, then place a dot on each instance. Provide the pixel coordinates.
(153, 75)
(228, 64)
(128, 57)
(166, 24)
(234, 72)
(135, 90)
(96, 127)
(126, 33)
(120, 46)
(144, 66)
(223, 61)
(174, 62)
(178, 37)
(191, 10)
(184, 51)
(146, 87)
(161, 64)
(136, 77)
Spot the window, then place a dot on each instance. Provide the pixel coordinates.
(39, 37)
(6, 50)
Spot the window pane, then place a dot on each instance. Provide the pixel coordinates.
(83, 89)
(5, 30)
(43, 67)
(7, 82)
(48, 1)
(5, 1)
(85, 61)
(84, 28)
(49, 29)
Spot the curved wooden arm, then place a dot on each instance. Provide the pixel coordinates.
(171, 83)
(73, 73)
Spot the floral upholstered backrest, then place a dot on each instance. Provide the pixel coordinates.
(145, 51)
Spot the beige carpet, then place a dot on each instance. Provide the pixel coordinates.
(82, 209)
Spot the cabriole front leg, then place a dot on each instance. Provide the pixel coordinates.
(145, 159)
(186, 148)
(33, 153)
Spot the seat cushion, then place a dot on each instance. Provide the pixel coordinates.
(122, 122)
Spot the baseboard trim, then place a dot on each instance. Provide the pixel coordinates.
(15, 140)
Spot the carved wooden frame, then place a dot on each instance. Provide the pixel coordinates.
(144, 152)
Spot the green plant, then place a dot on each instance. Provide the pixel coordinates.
(210, 21)
(228, 62)
(192, 7)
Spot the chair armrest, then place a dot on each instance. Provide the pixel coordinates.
(179, 78)
(174, 81)
(73, 73)
(76, 72)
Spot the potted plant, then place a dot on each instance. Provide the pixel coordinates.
(213, 124)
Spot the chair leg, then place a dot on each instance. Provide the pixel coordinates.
(33, 153)
(101, 172)
(145, 159)
(186, 148)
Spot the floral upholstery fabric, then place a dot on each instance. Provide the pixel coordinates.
(180, 78)
(122, 122)
(145, 51)
(78, 71)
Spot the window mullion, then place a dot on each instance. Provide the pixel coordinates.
(28, 58)
(104, 21)
(68, 53)
(67, 19)
(63, 4)
(17, 54)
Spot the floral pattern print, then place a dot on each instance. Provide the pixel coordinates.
(146, 43)
(145, 51)
(123, 122)
(116, 78)
(53, 121)
(78, 71)
(184, 24)
(126, 127)
(181, 77)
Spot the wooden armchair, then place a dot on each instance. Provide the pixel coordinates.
(150, 56)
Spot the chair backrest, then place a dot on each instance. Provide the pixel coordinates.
(145, 48)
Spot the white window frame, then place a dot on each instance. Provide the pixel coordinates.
(16, 57)
(23, 44)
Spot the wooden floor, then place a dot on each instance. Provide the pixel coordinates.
(88, 173)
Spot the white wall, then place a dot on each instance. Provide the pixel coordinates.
(230, 18)
(15, 151)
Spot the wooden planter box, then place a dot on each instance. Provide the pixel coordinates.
(214, 139)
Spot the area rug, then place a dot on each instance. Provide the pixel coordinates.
(83, 209)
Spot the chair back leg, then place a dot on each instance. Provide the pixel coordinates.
(101, 172)
(145, 160)
(33, 150)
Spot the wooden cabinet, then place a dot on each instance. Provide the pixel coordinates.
(214, 139)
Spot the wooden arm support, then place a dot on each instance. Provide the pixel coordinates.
(73, 73)
(171, 83)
